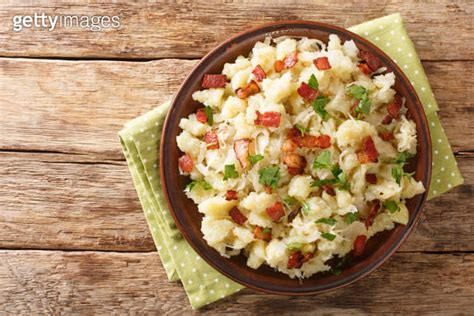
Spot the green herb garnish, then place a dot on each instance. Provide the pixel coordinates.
(203, 183)
(305, 208)
(266, 230)
(349, 218)
(402, 157)
(313, 82)
(289, 201)
(328, 221)
(320, 182)
(302, 129)
(269, 176)
(391, 206)
(230, 172)
(323, 160)
(319, 105)
(255, 158)
(361, 94)
(328, 236)
(397, 173)
(208, 112)
(294, 246)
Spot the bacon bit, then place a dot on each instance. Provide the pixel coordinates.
(201, 116)
(213, 81)
(251, 89)
(372, 213)
(307, 93)
(259, 73)
(279, 65)
(290, 60)
(370, 153)
(276, 211)
(268, 189)
(211, 140)
(372, 61)
(386, 136)
(364, 68)
(328, 189)
(241, 149)
(289, 146)
(237, 216)
(354, 107)
(293, 132)
(308, 256)
(295, 171)
(371, 178)
(387, 119)
(295, 163)
(231, 195)
(295, 261)
(394, 107)
(322, 63)
(260, 234)
(311, 141)
(359, 245)
(185, 163)
(292, 215)
(269, 119)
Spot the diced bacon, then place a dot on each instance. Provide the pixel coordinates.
(328, 189)
(185, 163)
(387, 119)
(276, 211)
(369, 153)
(386, 136)
(295, 171)
(290, 60)
(293, 132)
(268, 190)
(354, 107)
(211, 140)
(311, 141)
(372, 61)
(231, 195)
(292, 215)
(395, 107)
(201, 116)
(371, 178)
(295, 261)
(237, 216)
(289, 146)
(322, 63)
(251, 89)
(359, 245)
(372, 213)
(262, 233)
(269, 119)
(279, 65)
(308, 256)
(241, 149)
(294, 161)
(213, 81)
(307, 93)
(364, 68)
(259, 73)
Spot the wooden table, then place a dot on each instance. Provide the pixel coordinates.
(72, 232)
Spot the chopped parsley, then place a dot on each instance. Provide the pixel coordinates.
(328, 221)
(391, 206)
(319, 105)
(305, 208)
(230, 172)
(269, 176)
(323, 161)
(289, 201)
(313, 82)
(208, 112)
(397, 173)
(349, 218)
(402, 157)
(266, 230)
(302, 129)
(328, 236)
(255, 158)
(294, 246)
(320, 182)
(203, 183)
(361, 94)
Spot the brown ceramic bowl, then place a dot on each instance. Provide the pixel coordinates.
(188, 219)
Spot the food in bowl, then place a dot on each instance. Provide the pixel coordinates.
(297, 155)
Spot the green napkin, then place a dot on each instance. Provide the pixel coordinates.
(140, 142)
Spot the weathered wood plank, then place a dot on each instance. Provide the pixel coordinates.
(78, 107)
(164, 30)
(52, 201)
(101, 283)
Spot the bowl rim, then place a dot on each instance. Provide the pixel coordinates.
(351, 278)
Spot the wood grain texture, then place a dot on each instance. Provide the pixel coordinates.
(79, 106)
(442, 30)
(54, 201)
(57, 282)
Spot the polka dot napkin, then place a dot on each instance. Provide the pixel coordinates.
(140, 142)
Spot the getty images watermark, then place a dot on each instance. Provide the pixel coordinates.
(48, 22)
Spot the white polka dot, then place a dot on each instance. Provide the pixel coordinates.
(436, 152)
(432, 163)
(392, 32)
(159, 247)
(227, 285)
(201, 287)
(377, 38)
(438, 180)
(152, 135)
(186, 252)
(416, 72)
(205, 275)
(388, 44)
(197, 298)
(194, 270)
(216, 280)
(395, 61)
(138, 142)
(366, 33)
(439, 140)
(141, 130)
(399, 49)
(434, 191)
(190, 282)
(175, 248)
(211, 291)
(452, 174)
(449, 185)
(412, 83)
(182, 265)
(423, 89)
(446, 157)
(403, 38)
(154, 229)
(410, 55)
(154, 165)
(145, 161)
(156, 124)
(432, 124)
(198, 258)
(429, 105)
(222, 296)
(381, 27)
(397, 21)
(148, 148)
(405, 66)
